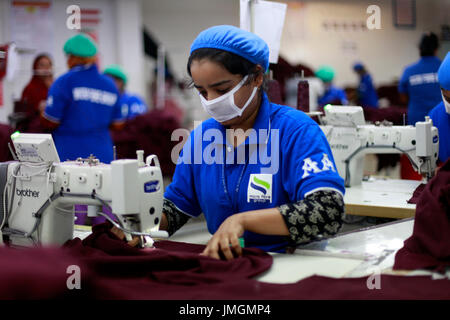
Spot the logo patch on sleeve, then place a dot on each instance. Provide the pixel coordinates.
(260, 188)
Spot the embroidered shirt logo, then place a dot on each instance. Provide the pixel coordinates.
(310, 166)
(259, 188)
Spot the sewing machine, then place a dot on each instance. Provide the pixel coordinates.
(39, 193)
(350, 139)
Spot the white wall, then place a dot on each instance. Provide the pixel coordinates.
(385, 51)
(175, 24)
(119, 33)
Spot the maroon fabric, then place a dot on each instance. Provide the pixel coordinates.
(35, 92)
(110, 269)
(5, 137)
(283, 70)
(152, 133)
(393, 114)
(274, 92)
(303, 96)
(37, 273)
(391, 93)
(416, 194)
(429, 245)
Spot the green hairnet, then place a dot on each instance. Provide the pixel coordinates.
(325, 73)
(80, 45)
(116, 71)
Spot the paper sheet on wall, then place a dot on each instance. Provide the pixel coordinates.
(266, 19)
(32, 25)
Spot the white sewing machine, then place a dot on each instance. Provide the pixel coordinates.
(350, 139)
(39, 193)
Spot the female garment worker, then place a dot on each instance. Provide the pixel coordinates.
(82, 105)
(441, 113)
(292, 199)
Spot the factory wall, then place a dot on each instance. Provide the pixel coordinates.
(305, 40)
(175, 23)
(118, 29)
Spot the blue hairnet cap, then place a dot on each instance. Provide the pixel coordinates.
(358, 66)
(232, 39)
(444, 73)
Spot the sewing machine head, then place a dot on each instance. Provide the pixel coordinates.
(351, 139)
(39, 193)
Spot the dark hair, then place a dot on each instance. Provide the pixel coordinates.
(428, 44)
(233, 63)
(39, 57)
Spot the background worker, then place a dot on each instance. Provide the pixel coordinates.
(332, 94)
(366, 93)
(419, 84)
(82, 105)
(131, 105)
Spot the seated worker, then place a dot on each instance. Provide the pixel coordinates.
(82, 105)
(274, 202)
(441, 113)
(419, 84)
(332, 94)
(131, 104)
(367, 95)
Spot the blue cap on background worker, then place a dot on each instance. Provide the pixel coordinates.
(131, 104)
(332, 95)
(441, 113)
(82, 105)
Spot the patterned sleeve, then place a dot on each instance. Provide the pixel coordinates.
(318, 215)
(175, 217)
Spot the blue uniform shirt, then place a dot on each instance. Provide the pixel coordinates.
(366, 92)
(441, 120)
(85, 103)
(131, 106)
(332, 95)
(420, 82)
(282, 167)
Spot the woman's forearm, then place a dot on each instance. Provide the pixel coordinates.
(264, 221)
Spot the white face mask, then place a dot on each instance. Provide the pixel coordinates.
(446, 103)
(223, 108)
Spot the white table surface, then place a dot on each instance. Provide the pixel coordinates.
(381, 198)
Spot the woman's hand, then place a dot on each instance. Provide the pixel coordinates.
(226, 239)
(121, 235)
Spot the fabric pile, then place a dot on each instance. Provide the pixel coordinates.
(108, 268)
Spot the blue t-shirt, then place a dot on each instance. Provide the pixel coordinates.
(131, 106)
(265, 171)
(366, 92)
(419, 81)
(441, 120)
(85, 103)
(332, 95)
